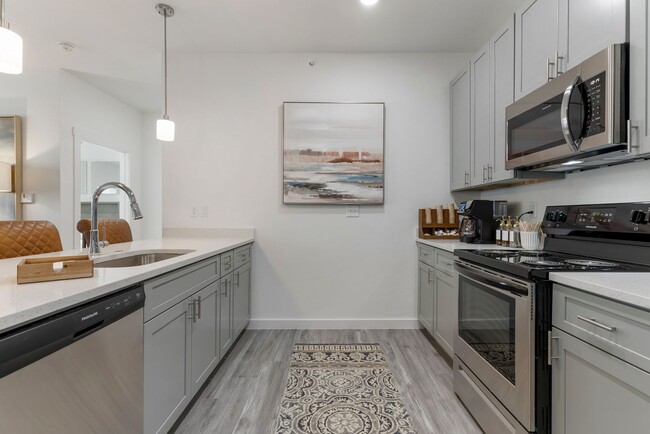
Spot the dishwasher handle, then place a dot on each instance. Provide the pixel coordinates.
(32, 342)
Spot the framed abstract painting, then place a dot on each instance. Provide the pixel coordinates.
(333, 153)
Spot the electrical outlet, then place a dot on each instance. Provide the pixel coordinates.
(531, 205)
(195, 211)
(352, 211)
(204, 210)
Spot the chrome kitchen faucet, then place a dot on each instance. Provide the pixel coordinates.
(93, 247)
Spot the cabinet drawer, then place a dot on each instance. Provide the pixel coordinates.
(165, 291)
(590, 318)
(443, 261)
(425, 254)
(227, 263)
(242, 255)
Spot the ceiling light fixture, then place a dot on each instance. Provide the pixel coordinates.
(165, 128)
(369, 2)
(11, 46)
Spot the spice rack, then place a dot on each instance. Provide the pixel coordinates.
(427, 230)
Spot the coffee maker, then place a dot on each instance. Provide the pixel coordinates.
(478, 224)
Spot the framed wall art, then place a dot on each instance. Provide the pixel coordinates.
(333, 153)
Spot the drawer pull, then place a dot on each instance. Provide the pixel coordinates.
(447, 264)
(593, 322)
(430, 276)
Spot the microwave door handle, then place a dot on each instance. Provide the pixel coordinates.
(564, 119)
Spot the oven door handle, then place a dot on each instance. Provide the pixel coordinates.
(564, 115)
(501, 284)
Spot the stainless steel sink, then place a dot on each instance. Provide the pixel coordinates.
(139, 258)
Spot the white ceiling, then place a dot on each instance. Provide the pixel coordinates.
(123, 38)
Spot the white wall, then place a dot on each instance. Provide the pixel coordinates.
(622, 183)
(101, 119)
(150, 197)
(34, 95)
(312, 266)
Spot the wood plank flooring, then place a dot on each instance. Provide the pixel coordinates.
(244, 394)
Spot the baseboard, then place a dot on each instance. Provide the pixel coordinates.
(299, 324)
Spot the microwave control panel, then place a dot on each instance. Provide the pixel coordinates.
(593, 93)
(620, 218)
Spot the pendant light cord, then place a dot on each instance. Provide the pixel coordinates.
(3, 23)
(165, 59)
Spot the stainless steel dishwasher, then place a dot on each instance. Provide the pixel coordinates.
(79, 371)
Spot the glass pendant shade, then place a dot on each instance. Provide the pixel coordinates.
(11, 52)
(165, 130)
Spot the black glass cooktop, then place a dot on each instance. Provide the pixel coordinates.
(538, 263)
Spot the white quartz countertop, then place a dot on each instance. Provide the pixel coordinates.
(451, 245)
(629, 288)
(23, 303)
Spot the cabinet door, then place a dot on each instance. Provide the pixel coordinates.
(425, 296)
(204, 341)
(481, 115)
(241, 298)
(502, 80)
(595, 392)
(460, 130)
(536, 41)
(167, 384)
(640, 74)
(445, 304)
(225, 318)
(587, 27)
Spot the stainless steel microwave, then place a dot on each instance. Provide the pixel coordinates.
(578, 120)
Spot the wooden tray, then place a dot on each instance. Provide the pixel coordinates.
(42, 269)
(423, 227)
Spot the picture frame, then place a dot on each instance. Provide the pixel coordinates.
(333, 153)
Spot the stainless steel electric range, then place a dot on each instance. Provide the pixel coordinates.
(502, 367)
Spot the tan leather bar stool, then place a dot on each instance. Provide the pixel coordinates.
(112, 230)
(24, 238)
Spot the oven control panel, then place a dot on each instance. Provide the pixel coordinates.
(619, 218)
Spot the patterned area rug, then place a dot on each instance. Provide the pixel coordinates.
(341, 389)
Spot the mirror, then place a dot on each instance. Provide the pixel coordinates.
(10, 167)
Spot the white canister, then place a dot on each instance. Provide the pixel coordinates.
(530, 240)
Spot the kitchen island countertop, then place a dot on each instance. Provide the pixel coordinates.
(21, 304)
(451, 245)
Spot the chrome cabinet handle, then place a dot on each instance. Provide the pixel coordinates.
(192, 307)
(198, 307)
(593, 322)
(549, 350)
(557, 63)
(484, 173)
(549, 71)
(430, 275)
(466, 178)
(237, 276)
(490, 170)
(565, 122)
(630, 127)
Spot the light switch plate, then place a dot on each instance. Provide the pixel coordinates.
(27, 198)
(204, 210)
(195, 211)
(352, 211)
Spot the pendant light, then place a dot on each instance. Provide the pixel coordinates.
(11, 47)
(164, 127)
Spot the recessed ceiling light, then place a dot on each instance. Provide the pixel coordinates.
(571, 163)
(369, 2)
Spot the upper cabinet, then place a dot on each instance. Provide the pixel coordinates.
(480, 117)
(555, 35)
(460, 129)
(639, 75)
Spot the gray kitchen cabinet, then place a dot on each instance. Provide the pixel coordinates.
(241, 298)
(639, 76)
(595, 392)
(425, 296)
(555, 35)
(502, 94)
(225, 315)
(480, 115)
(460, 125)
(536, 42)
(204, 346)
(600, 364)
(587, 27)
(445, 301)
(167, 384)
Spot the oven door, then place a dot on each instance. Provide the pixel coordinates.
(496, 336)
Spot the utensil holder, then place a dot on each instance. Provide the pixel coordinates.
(530, 240)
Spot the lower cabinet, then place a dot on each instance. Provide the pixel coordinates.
(438, 295)
(184, 344)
